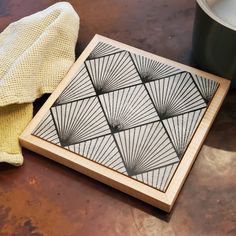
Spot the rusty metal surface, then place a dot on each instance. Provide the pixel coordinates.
(45, 198)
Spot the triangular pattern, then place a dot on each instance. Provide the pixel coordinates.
(80, 87)
(113, 72)
(181, 129)
(151, 70)
(145, 148)
(127, 108)
(103, 49)
(79, 121)
(129, 113)
(159, 178)
(206, 86)
(46, 129)
(175, 95)
(102, 150)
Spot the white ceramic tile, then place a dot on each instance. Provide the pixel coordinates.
(129, 113)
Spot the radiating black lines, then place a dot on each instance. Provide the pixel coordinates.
(102, 150)
(151, 70)
(175, 95)
(128, 107)
(80, 87)
(103, 49)
(159, 178)
(207, 87)
(181, 129)
(145, 148)
(47, 130)
(79, 121)
(129, 113)
(112, 72)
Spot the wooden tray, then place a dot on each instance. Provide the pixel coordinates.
(128, 118)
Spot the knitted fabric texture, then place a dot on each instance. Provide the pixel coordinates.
(36, 52)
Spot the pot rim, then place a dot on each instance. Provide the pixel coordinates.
(206, 8)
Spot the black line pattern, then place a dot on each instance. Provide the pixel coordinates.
(79, 121)
(112, 72)
(207, 87)
(181, 129)
(129, 113)
(128, 107)
(145, 148)
(175, 95)
(102, 49)
(46, 129)
(80, 87)
(95, 150)
(151, 70)
(159, 178)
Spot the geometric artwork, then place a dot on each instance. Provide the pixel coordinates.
(112, 72)
(81, 81)
(130, 113)
(181, 128)
(152, 70)
(145, 148)
(128, 118)
(79, 121)
(103, 49)
(127, 108)
(46, 129)
(175, 95)
(95, 151)
(158, 178)
(206, 87)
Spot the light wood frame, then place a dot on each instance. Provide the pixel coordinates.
(162, 200)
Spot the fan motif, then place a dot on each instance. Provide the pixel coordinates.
(46, 129)
(102, 150)
(145, 148)
(175, 95)
(79, 121)
(128, 107)
(207, 87)
(80, 87)
(129, 113)
(112, 72)
(151, 70)
(159, 178)
(103, 49)
(181, 128)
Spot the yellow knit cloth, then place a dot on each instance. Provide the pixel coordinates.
(36, 52)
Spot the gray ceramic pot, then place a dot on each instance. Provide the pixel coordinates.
(214, 42)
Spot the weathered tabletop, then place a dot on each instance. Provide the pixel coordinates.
(45, 198)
